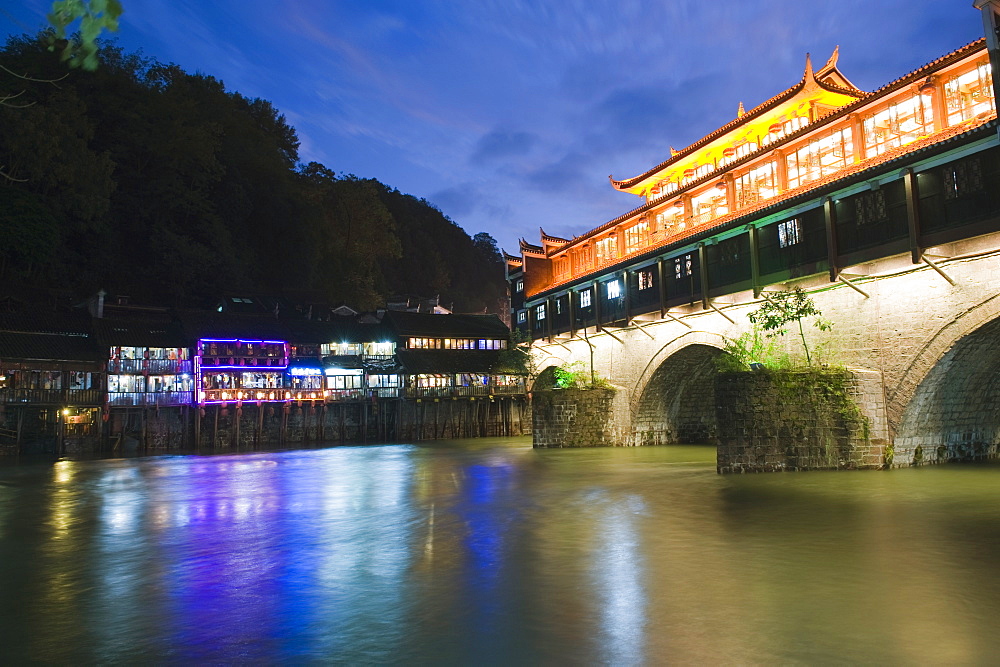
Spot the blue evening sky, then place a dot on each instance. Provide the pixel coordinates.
(509, 115)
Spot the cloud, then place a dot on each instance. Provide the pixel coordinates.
(500, 144)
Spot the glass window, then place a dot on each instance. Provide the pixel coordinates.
(970, 94)
(898, 124)
(522, 317)
(962, 178)
(606, 249)
(789, 233)
(540, 312)
(519, 286)
(645, 277)
(636, 237)
(682, 267)
(614, 289)
(670, 221)
(585, 298)
(820, 157)
(757, 184)
(709, 205)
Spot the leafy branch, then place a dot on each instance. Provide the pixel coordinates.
(95, 16)
(782, 308)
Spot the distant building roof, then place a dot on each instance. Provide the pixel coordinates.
(450, 326)
(447, 361)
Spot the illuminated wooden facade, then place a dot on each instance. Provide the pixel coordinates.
(816, 179)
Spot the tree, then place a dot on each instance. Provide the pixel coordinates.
(95, 16)
(782, 308)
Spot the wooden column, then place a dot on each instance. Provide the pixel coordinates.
(628, 296)
(754, 260)
(596, 287)
(703, 272)
(662, 273)
(781, 167)
(857, 137)
(913, 214)
(830, 219)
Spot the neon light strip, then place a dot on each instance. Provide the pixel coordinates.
(240, 340)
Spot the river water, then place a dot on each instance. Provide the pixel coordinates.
(490, 552)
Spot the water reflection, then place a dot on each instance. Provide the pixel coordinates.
(454, 553)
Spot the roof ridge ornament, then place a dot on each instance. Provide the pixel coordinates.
(832, 62)
(808, 74)
(740, 111)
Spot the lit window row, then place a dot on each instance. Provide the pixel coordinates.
(967, 94)
(416, 343)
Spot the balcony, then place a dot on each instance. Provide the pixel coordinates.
(149, 398)
(150, 366)
(51, 396)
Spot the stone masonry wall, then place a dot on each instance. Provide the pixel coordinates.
(772, 421)
(578, 418)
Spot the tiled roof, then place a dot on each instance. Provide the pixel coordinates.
(49, 347)
(336, 329)
(947, 135)
(890, 87)
(758, 110)
(202, 324)
(147, 332)
(447, 361)
(445, 326)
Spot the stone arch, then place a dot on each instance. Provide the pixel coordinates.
(899, 397)
(951, 411)
(674, 400)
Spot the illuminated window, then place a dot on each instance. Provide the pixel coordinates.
(970, 94)
(540, 312)
(645, 277)
(584, 298)
(614, 289)
(636, 236)
(820, 157)
(898, 124)
(758, 184)
(559, 307)
(682, 267)
(562, 267)
(606, 249)
(789, 233)
(670, 221)
(709, 205)
(583, 259)
(662, 189)
(519, 286)
(781, 129)
(522, 317)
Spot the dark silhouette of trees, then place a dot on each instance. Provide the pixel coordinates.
(140, 178)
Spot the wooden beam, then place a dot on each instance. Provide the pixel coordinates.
(830, 220)
(912, 214)
(854, 287)
(754, 260)
(927, 260)
(712, 306)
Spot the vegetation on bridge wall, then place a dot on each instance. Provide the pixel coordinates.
(776, 420)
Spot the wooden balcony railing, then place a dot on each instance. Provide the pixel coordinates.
(11, 395)
(153, 366)
(149, 398)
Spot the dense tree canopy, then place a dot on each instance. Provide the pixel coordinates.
(141, 178)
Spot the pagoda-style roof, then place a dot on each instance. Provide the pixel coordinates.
(529, 249)
(816, 92)
(889, 88)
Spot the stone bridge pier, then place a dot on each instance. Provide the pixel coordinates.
(925, 337)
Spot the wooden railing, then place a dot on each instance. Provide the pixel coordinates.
(154, 366)
(149, 398)
(52, 396)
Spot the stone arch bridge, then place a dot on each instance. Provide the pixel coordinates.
(926, 337)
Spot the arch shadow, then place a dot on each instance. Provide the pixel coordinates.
(674, 400)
